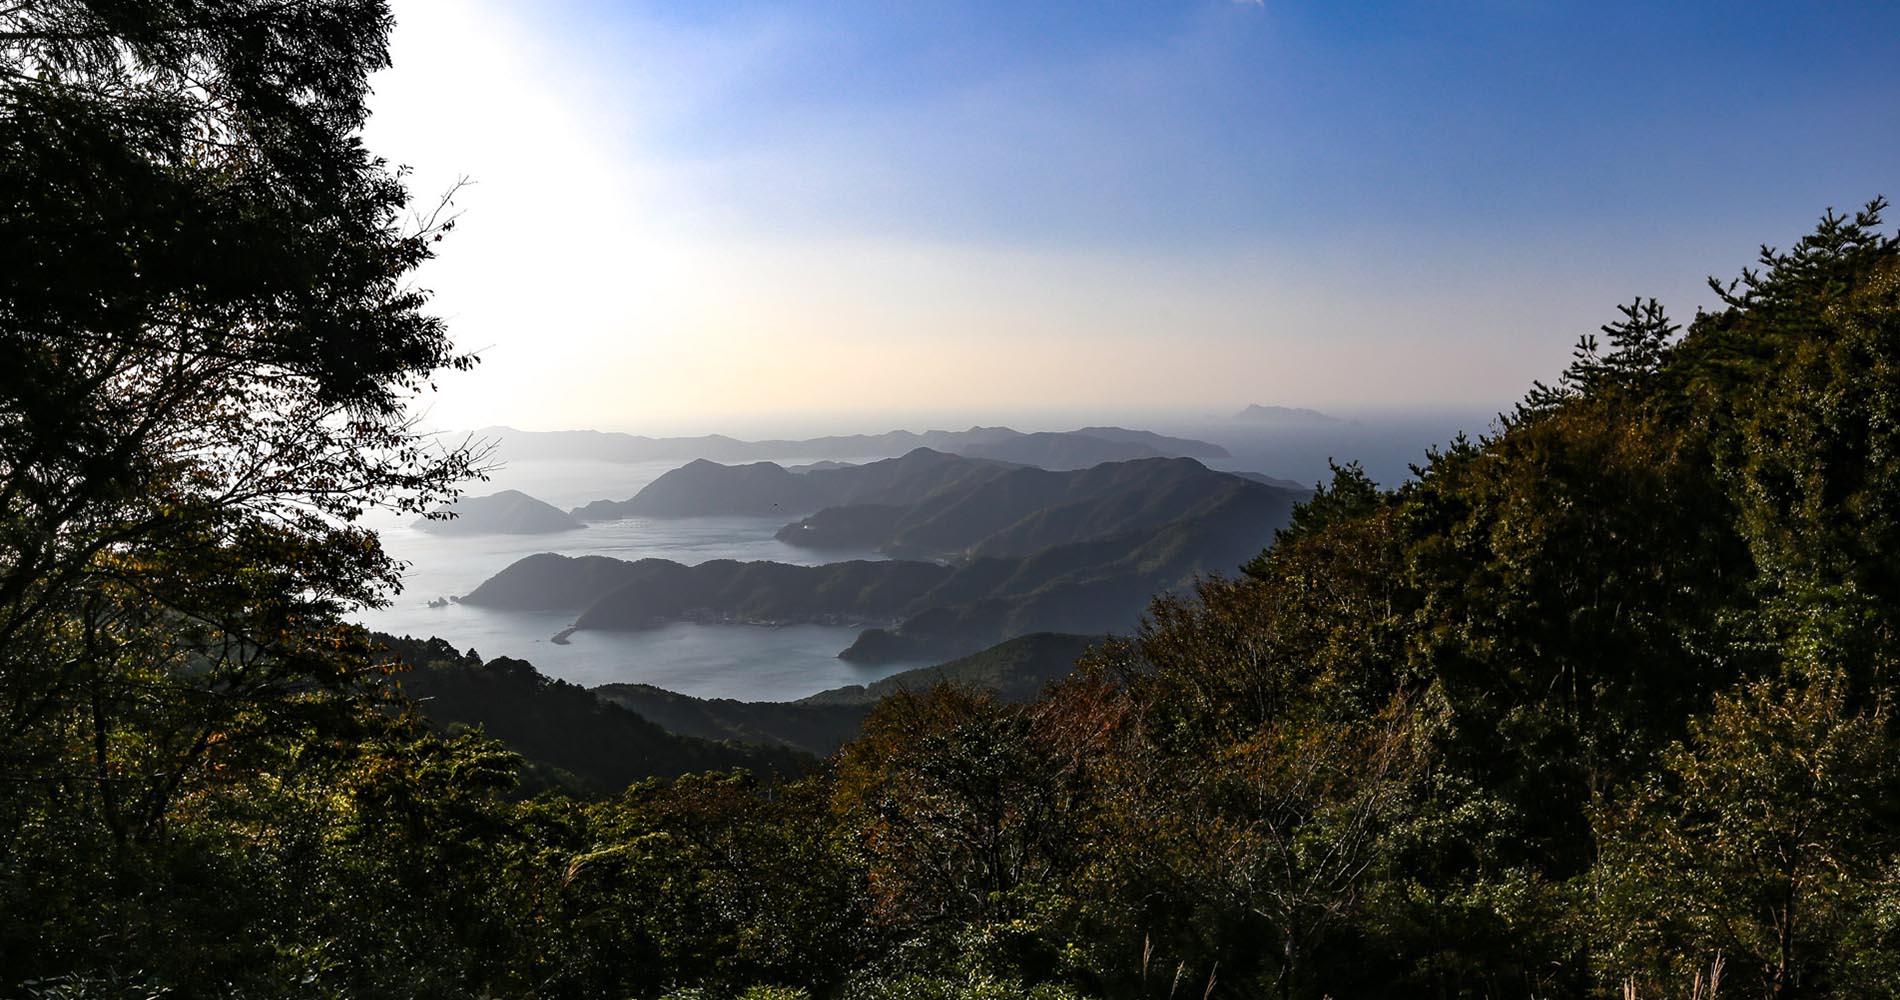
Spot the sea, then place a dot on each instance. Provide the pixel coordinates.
(757, 662)
(743, 662)
(1386, 445)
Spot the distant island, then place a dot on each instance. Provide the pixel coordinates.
(917, 611)
(510, 512)
(621, 594)
(983, 510)
(1050, 450)
(933, 504)
(1285, 416)
(708, 489)
(703, 488)
(987, 551)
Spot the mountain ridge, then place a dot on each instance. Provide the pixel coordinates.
(1089, 445)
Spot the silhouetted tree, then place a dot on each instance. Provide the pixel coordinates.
(208, 342)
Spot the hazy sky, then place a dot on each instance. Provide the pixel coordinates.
(720, 216)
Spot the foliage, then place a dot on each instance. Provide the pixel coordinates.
(580, 742)
(1768, 840)
(209, 344)
(1639, 343)
(1599, 703)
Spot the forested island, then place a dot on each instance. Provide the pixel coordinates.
(987, 551)
(510, 512)
(1598, 703)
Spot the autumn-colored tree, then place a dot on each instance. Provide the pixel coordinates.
(1768, 842)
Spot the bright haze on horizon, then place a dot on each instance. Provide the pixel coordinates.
(693, 217)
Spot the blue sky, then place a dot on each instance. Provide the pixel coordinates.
(1157, 122)
(750, 212)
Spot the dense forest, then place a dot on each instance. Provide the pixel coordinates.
(1597, 704)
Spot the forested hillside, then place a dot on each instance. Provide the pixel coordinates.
(1015, 671)
(577, 741)
(1598, 704)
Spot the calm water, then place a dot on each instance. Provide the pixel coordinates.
(757, 663)
(753, 663)
(1385, 445)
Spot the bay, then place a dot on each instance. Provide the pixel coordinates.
(745, 662)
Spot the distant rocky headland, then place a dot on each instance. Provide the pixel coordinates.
(1285, 416)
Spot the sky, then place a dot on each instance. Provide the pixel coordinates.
(768, 217)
